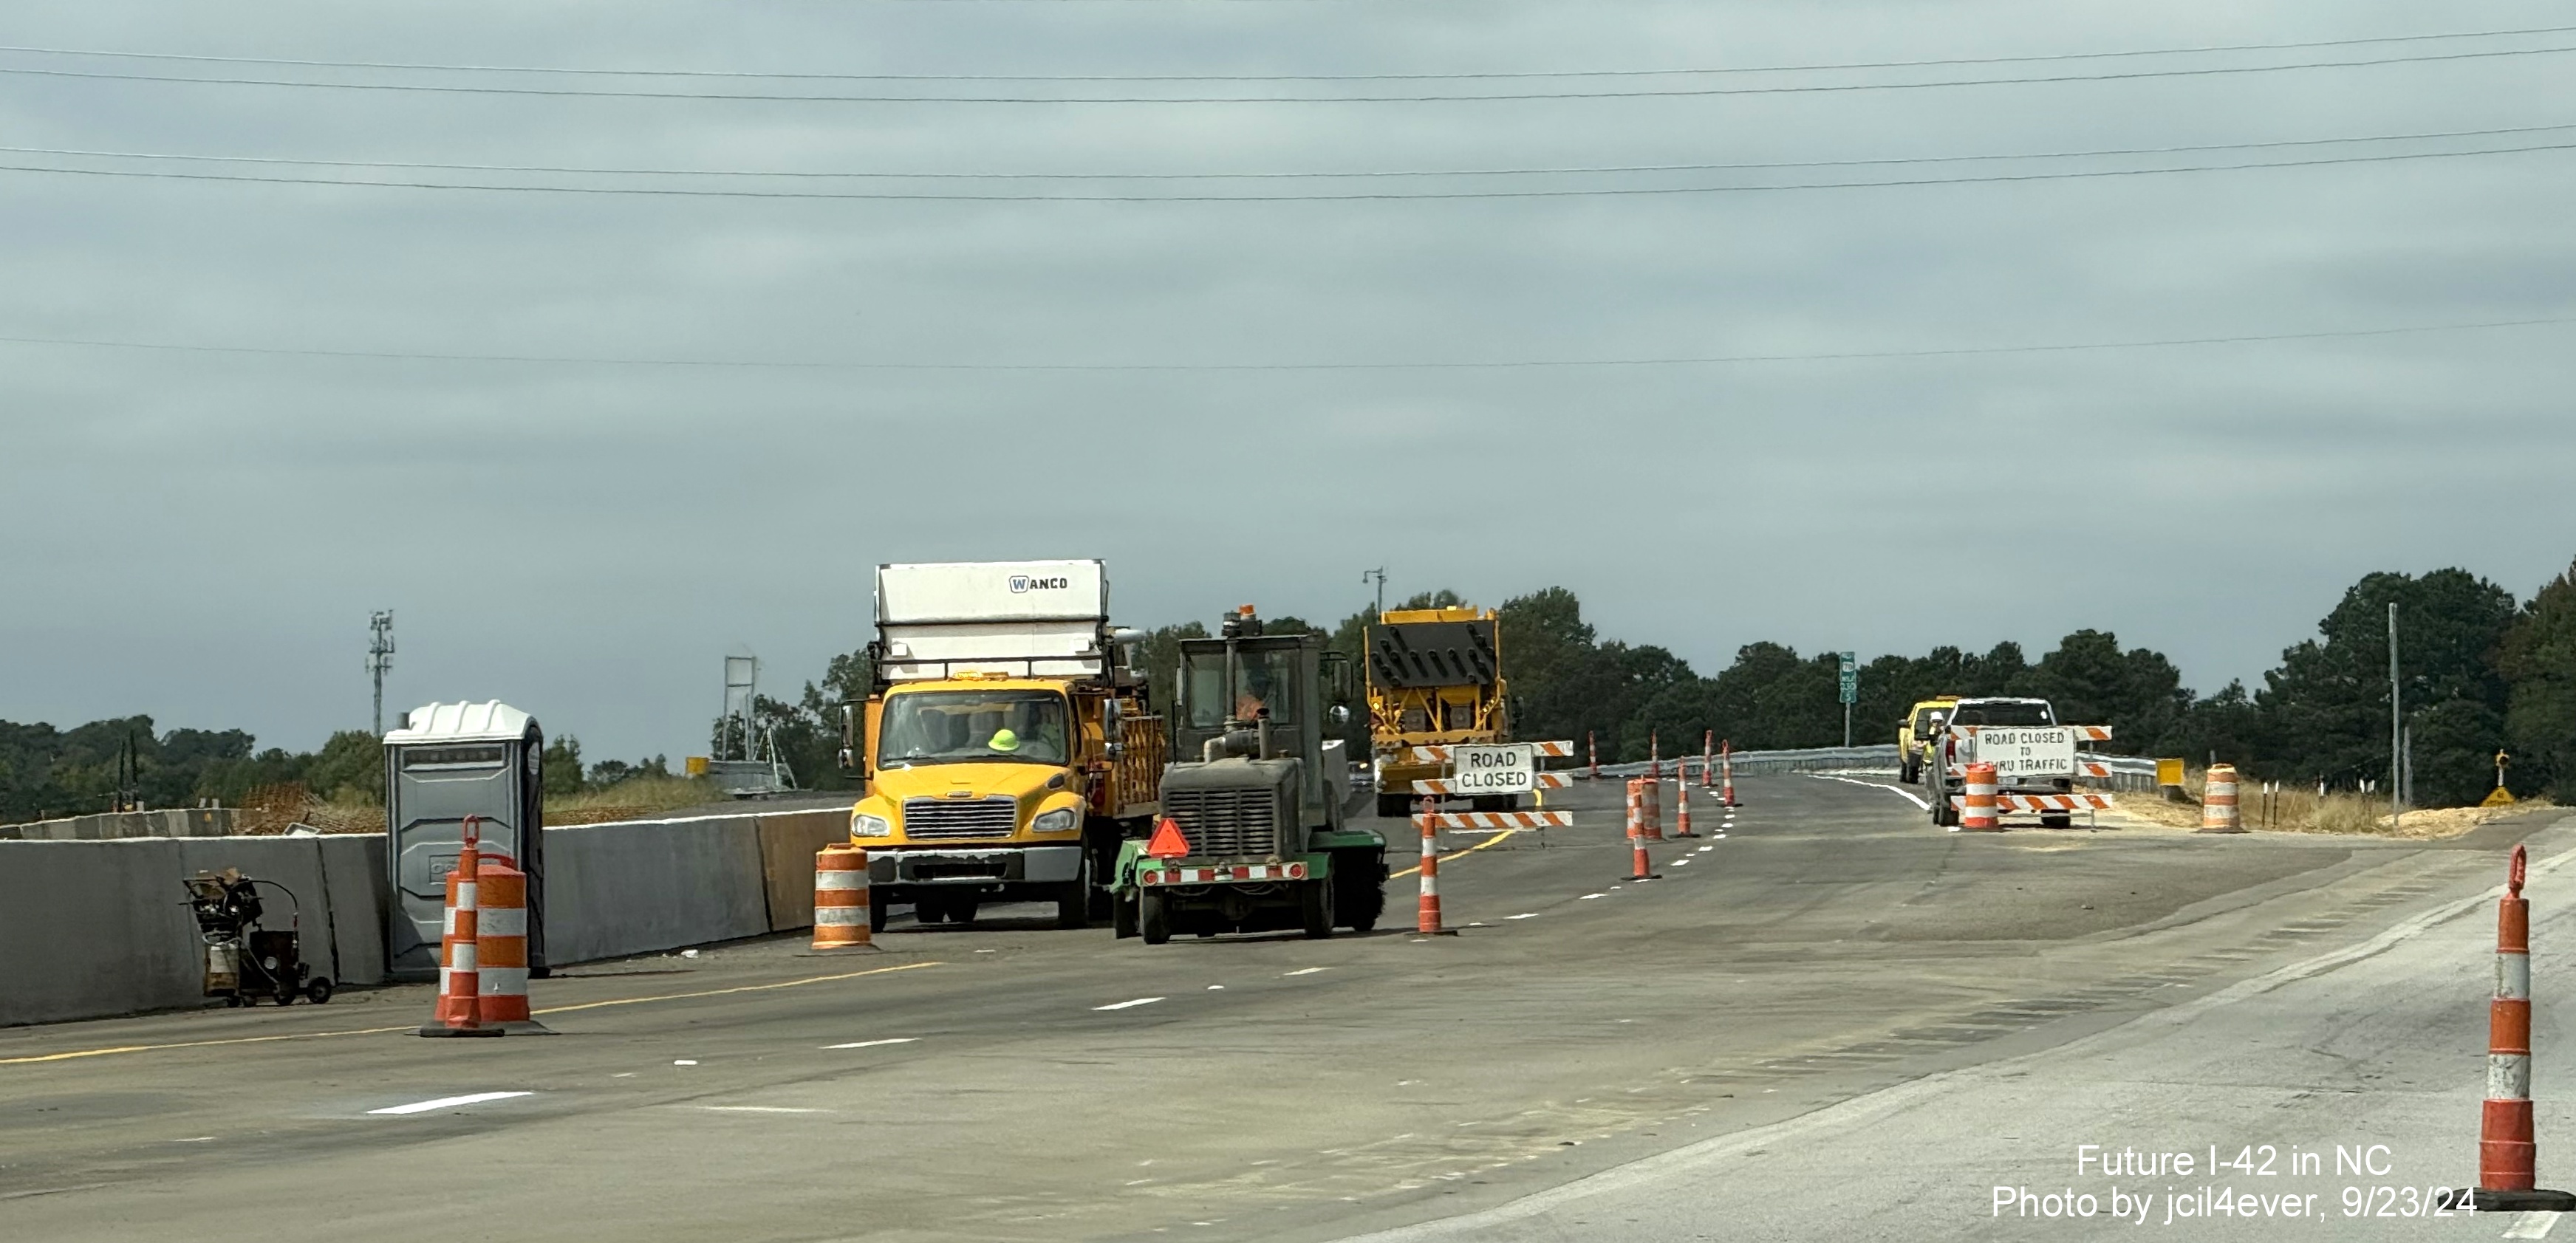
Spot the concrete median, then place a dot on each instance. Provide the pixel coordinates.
(638, 886)
(105, 927)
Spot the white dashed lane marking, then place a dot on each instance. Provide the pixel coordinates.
(448, 1102)
(870, 1044)
(1123, 1005)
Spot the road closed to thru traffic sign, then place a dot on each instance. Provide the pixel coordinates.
(1493, 768)
(2023, 751)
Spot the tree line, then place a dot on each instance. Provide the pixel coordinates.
(2479, 672)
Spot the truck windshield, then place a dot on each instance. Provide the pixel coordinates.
(935, 727)
(1265, 680)
(2002, 714)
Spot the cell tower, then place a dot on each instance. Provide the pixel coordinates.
(380, 657)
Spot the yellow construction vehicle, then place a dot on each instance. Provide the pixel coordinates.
(1915, 733)
(1010, 747)
(1435, 676)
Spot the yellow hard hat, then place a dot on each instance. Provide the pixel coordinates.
(1004, 740)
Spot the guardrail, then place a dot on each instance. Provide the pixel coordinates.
(2127, 772)
(1881, 756)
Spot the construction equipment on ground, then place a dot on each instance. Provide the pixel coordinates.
(1252, 838)
(245, 961)
(1434, 676)
(1009, 744)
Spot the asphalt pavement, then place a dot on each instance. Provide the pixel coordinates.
(1831, 971)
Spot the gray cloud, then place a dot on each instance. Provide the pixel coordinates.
(201, 536)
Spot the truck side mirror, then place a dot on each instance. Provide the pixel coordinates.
(1338, 715)
(849, 756)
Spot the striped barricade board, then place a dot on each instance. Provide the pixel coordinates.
(1498, 821)
(1443, 785)
(2026, 804)
(1168, 874)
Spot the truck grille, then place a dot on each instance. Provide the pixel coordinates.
(943, 818)
(1226, 823)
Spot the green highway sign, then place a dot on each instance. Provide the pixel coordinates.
(1851, 677)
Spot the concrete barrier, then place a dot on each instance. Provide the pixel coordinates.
(636, 886)
(102, 927)
(113, 825)
(788, 843)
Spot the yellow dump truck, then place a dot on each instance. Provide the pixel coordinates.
(1435, 676)
(1009, 742)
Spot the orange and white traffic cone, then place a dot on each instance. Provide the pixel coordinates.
(1592, 755)
(1726, 757)
(2508, 1156)
(501, 949)
(459, 1009)
(1426, 920)
(1641, 867)
(1977, 801)
(1707, 758)
(1681, 807)
(843, 916)
(1654, 754)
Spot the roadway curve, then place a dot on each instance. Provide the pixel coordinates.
(987, 1083)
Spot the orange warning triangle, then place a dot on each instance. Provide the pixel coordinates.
(1168, 842)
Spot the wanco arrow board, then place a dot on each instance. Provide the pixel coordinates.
(1489, 768)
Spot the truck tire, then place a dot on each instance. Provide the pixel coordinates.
(1362, 898)
(962, 910)
(1073, 899)
(877, 916)
(927, 909)
(2057, 820)
(1153, 921)
(1122, 918)
(1315, 904)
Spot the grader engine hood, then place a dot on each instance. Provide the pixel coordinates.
(1237, 808)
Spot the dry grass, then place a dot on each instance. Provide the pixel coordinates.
(632, 799)
(2299, 809)
(271, 810)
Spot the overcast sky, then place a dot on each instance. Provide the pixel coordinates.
(200, 535)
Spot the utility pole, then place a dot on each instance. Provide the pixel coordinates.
(1380, 575)
(380, 657)
(2396, 729)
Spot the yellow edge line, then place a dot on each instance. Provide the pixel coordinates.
(379, 1031)
(1498, 836)
(747, 988)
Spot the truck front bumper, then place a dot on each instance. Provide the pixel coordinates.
(1001, 865)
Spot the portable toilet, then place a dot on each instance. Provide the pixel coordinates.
(449, 761)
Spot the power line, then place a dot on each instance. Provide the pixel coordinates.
(1488, 97)
(1329, 197)
(1502, 75)
(1506, 364)
(1570, 170)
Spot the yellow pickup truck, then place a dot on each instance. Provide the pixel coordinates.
(1917, 731)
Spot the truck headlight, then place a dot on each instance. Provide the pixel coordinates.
(1057, 821)
(862, 825)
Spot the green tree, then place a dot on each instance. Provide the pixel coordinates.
(2538, 662)
(562, 766)
(2326, 706)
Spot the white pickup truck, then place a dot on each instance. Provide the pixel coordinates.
(2032, 752)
